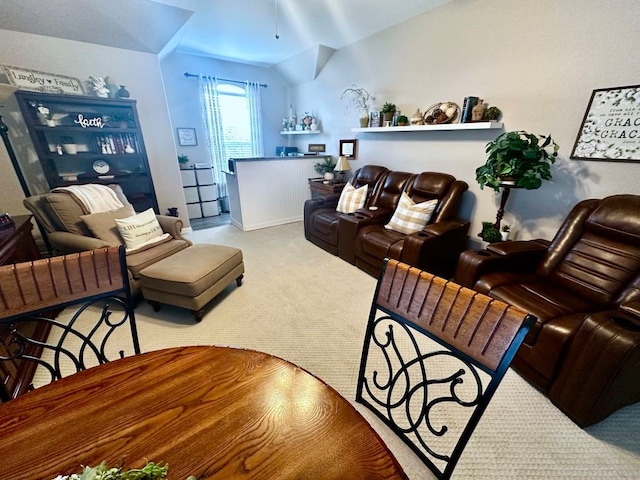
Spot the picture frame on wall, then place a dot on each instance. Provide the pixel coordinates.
(317, 147)
(187, 137)
(610, 129)
(348, 149)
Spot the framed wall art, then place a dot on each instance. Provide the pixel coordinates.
(187, 137)
(317, 147)
(348, 149)
(610, 130)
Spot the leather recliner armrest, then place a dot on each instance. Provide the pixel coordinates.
(514, 256)
(436, 247)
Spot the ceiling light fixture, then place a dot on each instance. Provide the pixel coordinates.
(275, 7)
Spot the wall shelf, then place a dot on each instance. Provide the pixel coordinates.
(430, 128)
(300, 132)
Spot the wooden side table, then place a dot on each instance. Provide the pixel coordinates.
(320, 189)
(17, 245)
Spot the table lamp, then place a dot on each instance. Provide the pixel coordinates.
(342, 166)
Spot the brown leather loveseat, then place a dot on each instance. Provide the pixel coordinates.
(584, 288)
(434, 248)
(321, 217)
(361, 238)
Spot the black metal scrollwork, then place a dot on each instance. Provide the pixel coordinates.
(79, 343)
(408, 389)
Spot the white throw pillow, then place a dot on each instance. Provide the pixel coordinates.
(139, 228)
(411, 217)
(351, 198)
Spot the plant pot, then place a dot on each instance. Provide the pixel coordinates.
(387, 116)
(505, 236)
(328, 176)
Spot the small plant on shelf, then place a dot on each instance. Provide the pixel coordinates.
(492, 113)
(403, 120)
(183, 160)
(506, 228)
(388, 108)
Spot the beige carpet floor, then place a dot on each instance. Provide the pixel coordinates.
(304, 305)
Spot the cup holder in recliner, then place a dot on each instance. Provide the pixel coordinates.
(483, 253)
(627, 323)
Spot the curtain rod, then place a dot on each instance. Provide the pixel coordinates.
(187, 74)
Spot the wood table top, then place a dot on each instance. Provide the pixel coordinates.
(211, 412)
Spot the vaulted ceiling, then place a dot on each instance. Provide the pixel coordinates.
(237, 30)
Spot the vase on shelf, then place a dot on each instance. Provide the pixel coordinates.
(123, 92)
(364, 117)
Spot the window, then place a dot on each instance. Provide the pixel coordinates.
(236, 124)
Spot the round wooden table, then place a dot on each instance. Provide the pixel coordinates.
(211, 412)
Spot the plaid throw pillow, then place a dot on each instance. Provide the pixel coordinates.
(411, 217)
(351, 198)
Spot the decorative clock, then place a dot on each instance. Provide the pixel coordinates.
(101, 167)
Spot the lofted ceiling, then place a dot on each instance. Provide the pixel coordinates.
(236, 30)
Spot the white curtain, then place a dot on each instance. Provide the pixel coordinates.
(255, 116)
(212, 118)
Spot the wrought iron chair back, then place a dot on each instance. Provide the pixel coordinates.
(434, 354)
(96, 281)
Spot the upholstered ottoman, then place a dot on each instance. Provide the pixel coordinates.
(191, 277)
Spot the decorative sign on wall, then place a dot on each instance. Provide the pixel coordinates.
(610, 130)
(26, 79)
(187, 137)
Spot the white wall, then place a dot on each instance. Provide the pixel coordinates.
(139, 72)
(537, 60)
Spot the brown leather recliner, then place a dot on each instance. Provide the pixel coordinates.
(435, 248)
(584, 288)
(321, 217)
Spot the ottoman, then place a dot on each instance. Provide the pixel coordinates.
(191, 277)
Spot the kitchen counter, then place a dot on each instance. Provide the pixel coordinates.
(268, 191)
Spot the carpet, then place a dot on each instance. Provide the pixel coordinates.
(302, 304)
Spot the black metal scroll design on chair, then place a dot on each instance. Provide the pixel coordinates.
(97, 282)
(433, 356)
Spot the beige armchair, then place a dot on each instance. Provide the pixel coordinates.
(59, 216)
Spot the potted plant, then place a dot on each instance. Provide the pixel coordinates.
(490, 233)
(325, 168)
(492, 113)
(403, 120)
(505, 231)
(183, 160)
(518, 158)
(388, 109)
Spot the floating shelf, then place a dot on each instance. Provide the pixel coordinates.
(429, 128)
(300, 132)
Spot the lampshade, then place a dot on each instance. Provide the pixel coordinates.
(342, 164)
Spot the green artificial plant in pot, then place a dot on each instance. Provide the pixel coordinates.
(388, 110)
(520, 158)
